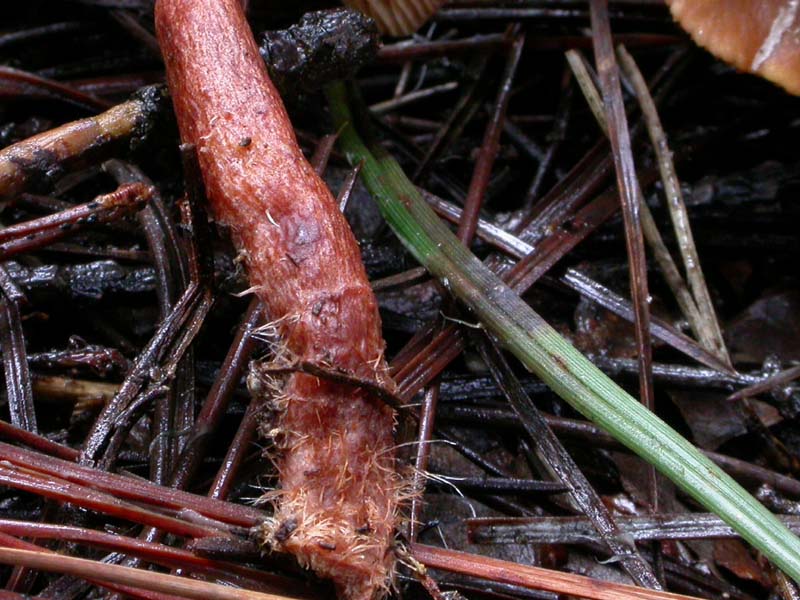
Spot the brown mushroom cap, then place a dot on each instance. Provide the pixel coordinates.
(758, 36)
(397, 17)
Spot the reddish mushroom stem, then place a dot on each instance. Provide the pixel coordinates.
(335, 509)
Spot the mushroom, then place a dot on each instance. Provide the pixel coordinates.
(757, 36)
(397, 17)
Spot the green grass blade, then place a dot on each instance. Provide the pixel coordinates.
(546, 353)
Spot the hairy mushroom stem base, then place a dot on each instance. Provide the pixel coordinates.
(335, 508)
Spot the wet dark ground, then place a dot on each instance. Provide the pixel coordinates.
(88, 305)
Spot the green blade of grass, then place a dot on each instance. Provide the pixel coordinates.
(546, 353)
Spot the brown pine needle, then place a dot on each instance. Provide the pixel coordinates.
(85, 393)
(146, 580)
(536, 578)
(710, 333)
(670, 271)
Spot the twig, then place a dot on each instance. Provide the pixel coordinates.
(495, 485)
(464, 109)
(234, 457)
(174, 336)
(411, 97)
(555, 138)
(664, 259)
(588, 87)
(346, 191)
(424, 434)
(85, 393)
(9, 541)
(136, 30)
(37, 442)
(660, 252)
(403, 51)
(338, 376)
(746, 473)
(322, 152)
(152, 552)
(562, 468)
(594, 290)
(219, 396)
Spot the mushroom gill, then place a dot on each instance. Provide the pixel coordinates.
(757, 36)
(397, 17)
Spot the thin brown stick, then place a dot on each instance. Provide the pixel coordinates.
(10, 432)
(411, 97)
(336, 376)
(84, 393)
(15, 356)
(578, 530)
(218, 398)
(626, 185)
(9, 541)
(406, 278)
(322, 153)
(346, 191)
(245, 434)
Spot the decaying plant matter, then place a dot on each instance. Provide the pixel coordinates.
(127, 433)
(37, 162)
(398, 17)
(335, 509)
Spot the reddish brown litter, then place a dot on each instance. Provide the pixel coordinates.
(758, 36)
